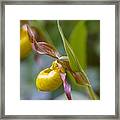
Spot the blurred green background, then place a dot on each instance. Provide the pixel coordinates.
(83, 36)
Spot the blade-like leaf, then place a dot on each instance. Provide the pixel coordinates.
(71, 56)
(78, 42)
(73, 61)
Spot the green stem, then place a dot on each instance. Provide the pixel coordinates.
(89, 87)
(91, 93)
(75, 65)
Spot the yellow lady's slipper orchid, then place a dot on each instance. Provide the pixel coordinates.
(49, 79)
(25, 45)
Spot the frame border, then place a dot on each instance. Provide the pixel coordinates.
(2, 55)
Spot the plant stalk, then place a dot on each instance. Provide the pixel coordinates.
(74, 61)
(91, 93)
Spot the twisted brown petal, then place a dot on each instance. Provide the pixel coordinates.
(67, 87)
(42, 48)
(78, 76)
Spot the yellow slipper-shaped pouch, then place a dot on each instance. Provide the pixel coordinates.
(49, 79)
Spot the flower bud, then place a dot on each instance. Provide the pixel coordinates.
(25, 45)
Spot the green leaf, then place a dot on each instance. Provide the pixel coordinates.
(78, 41)
(71, 56)
(73, 61)
(77, 72)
